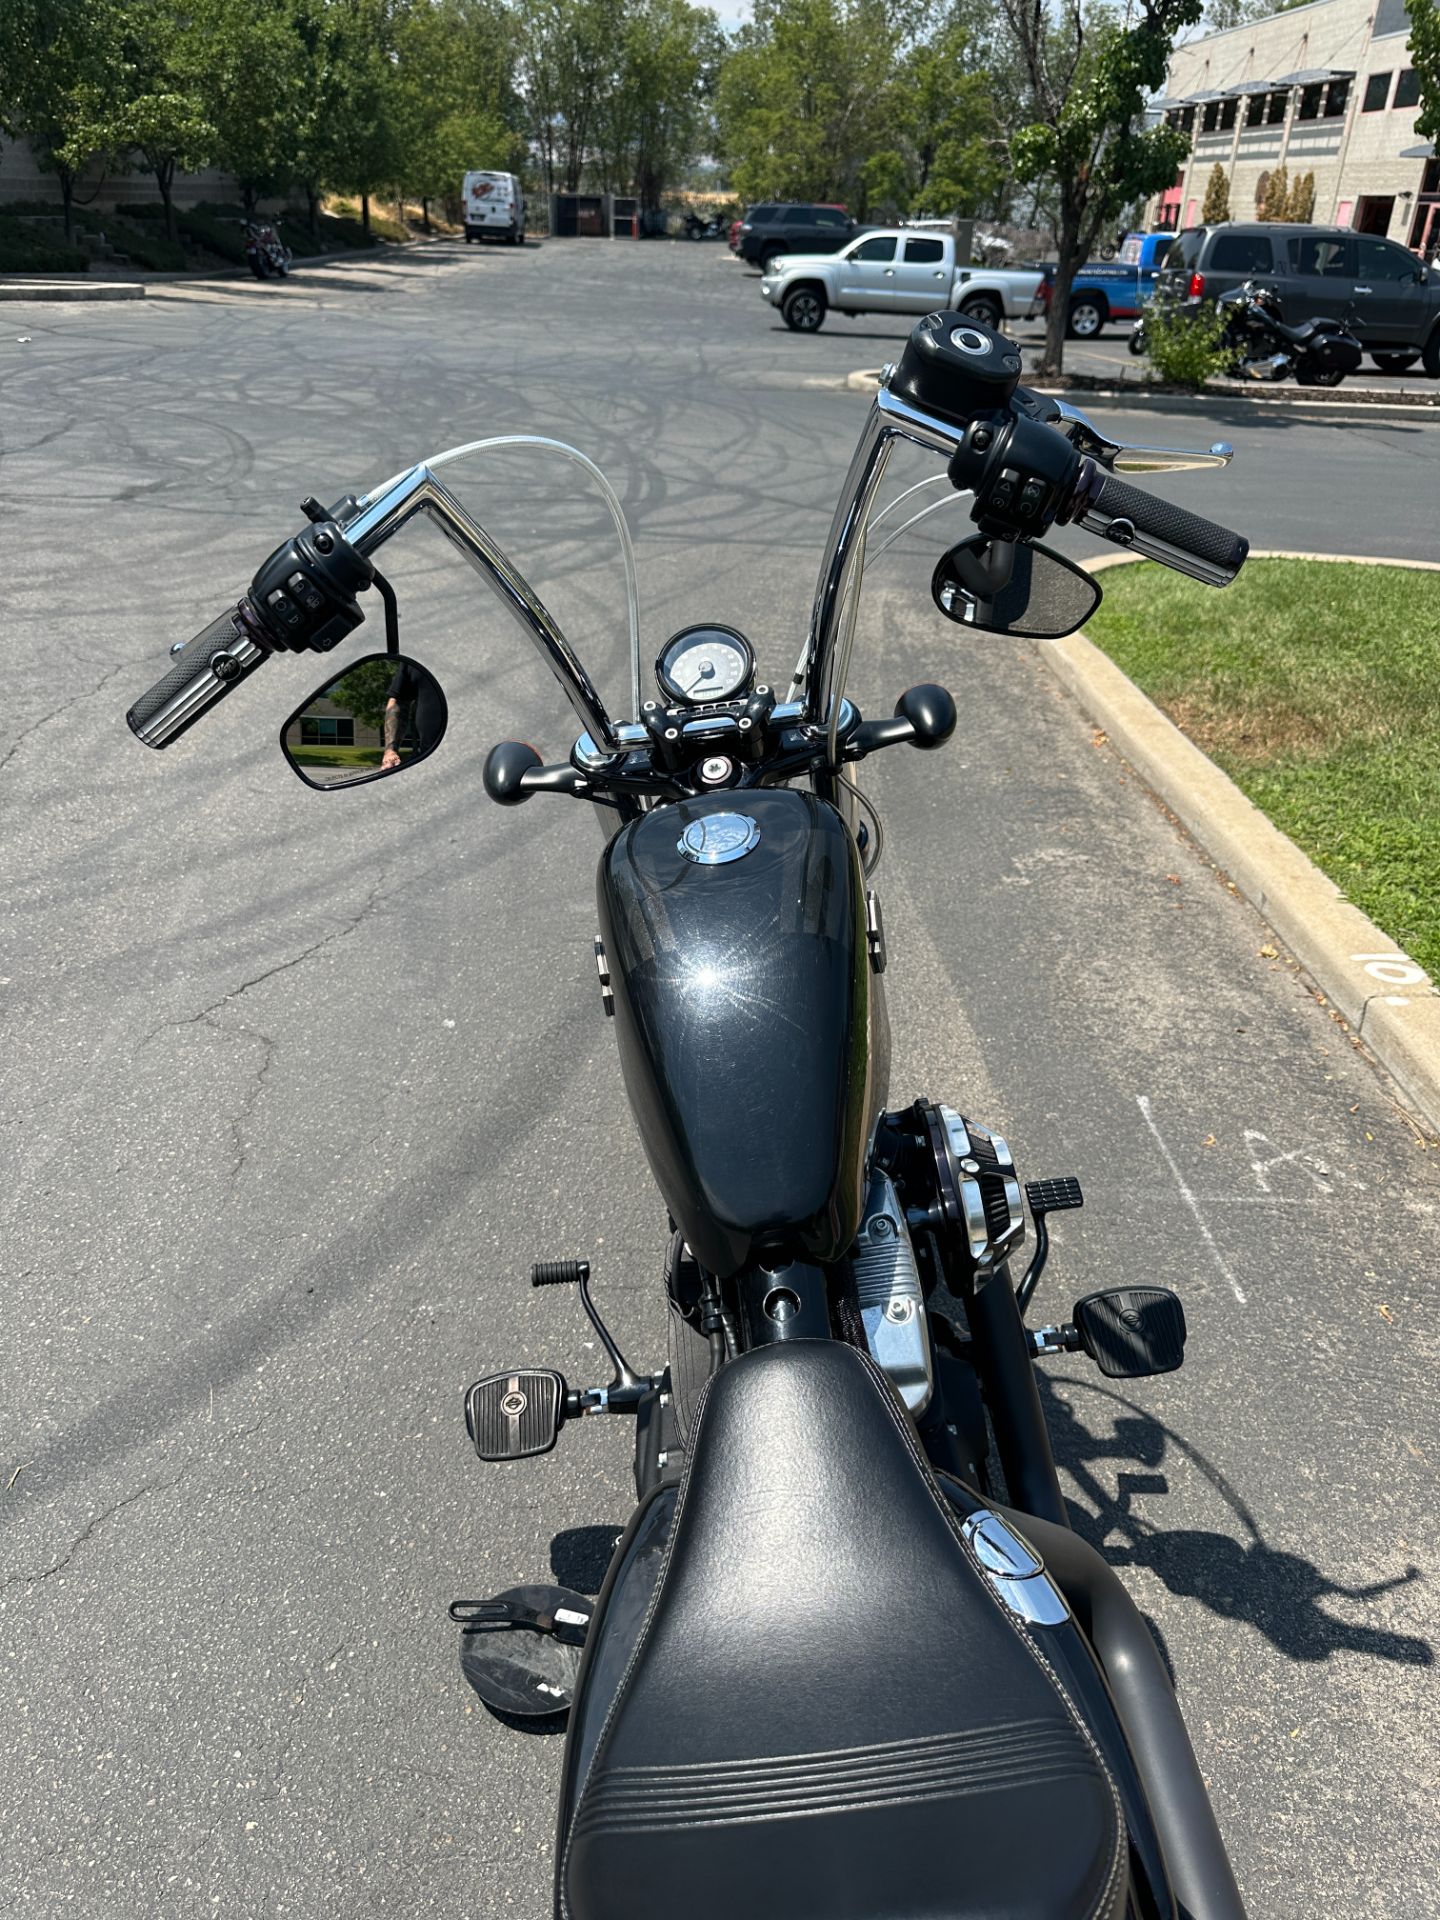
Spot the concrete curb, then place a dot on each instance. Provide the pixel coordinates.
(37, 291)
(1389, 1001)
(1138, 400)
(19, 287)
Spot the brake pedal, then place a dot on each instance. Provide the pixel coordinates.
(1130, 1332)
(516, 1414)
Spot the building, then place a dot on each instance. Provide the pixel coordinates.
(1324, 89)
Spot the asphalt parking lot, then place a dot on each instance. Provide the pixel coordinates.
(299, 1085)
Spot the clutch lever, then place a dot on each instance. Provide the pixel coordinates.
(1083, 434)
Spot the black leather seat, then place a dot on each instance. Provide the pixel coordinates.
(828, 1715)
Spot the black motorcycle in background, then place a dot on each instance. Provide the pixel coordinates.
(1260, 346)
(715, 228)
(835, 1671)
(266, 254)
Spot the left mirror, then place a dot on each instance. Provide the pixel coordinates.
(377, 716)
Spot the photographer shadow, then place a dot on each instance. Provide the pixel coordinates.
(1238, 1578)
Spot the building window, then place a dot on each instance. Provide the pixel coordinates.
(1255, 110)
(1211, 117)
(1278, 103)
(1227, 114)
(1407, 89)
(1187, 119)
(323, 731)
(1377, 92)
(1337, 98)
(1310, 102)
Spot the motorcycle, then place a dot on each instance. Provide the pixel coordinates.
(266, 254)
(1259, 345)
(715, 228)
(830, 1672)
(1319, 353)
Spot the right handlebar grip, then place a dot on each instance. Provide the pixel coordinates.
(205, 670)
(1162, 531)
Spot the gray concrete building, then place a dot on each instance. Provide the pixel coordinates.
(1326, 89)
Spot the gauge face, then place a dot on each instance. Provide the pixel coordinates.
(701, 664)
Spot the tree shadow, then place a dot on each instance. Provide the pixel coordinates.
(1244, 1579)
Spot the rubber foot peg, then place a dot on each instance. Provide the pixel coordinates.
(559, 1273)
(1131, 1332)
(1054, 1196)
(516, 1414)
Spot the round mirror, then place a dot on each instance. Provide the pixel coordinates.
(377, 716)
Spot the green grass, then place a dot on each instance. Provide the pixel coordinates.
(1317, 688)
(337, 756)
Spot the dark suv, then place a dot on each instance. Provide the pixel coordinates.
(770, 230)
(1387, 295)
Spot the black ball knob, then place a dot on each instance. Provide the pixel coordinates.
(505, 768)
(931, 712)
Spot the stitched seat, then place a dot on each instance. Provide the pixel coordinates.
(828, 1715)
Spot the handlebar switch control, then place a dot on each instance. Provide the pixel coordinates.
(304, 594)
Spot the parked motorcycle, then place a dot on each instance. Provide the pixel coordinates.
(1319, 353)
(265, 252)
(715, 228)
(1259, 345)
(831, 1673)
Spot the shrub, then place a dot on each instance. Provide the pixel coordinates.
(218, 233)
(150, 250)
(1184, 347)
(27, 249)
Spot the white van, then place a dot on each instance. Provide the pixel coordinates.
(493, 203)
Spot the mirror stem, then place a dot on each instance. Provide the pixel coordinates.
(392, 612)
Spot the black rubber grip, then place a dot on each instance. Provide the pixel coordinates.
(193, 670)
(1208, 541)
(559, 1273)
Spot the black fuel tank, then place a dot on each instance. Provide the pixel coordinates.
(752, 1032)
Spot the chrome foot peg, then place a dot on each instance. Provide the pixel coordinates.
(516, 1414)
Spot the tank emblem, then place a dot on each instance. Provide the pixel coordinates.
(716, 838)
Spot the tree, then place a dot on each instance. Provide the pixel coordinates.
(255, 96)
(1424, 49)
(1217, 198)
(804, 99)
(353, 143)
(1088, 78)
(945, 109)
(58, 72)
(364, 690)
(454, 107)
(1300, 201)
(654, 119)
(1277, 195)
(567, 57)
(156, 106)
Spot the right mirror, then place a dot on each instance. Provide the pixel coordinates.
(377, 716)
(1022, 589)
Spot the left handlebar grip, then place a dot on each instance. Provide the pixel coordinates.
(206, 669)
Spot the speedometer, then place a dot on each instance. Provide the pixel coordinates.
(701, 664)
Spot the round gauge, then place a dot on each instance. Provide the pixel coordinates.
(701, 664)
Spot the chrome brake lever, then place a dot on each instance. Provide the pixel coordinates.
(1114, 455)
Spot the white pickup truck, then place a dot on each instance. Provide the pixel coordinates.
(896, 270)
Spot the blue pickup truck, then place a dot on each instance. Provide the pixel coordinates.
(1112, 289)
